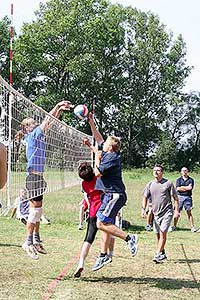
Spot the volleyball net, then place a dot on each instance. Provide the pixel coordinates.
(63, 146)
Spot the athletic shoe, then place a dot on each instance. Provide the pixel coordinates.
(148, 227)
(172, 228)
(44, 220)
(80, 226)
(159, 257)
(193, 229)
(24, 221)
(78, 272)
(39, 248)
(101, 261)
(132, 244)
(198, 230)
(30, 250)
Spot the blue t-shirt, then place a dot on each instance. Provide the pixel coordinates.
(185, 182)
(35, 150)
(110, 169)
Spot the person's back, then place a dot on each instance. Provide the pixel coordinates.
(110, 169)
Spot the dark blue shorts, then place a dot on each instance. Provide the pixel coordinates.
(111, 204)
(185, 201)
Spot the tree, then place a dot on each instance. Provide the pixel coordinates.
(121, 57)
(166, 154)
(4, 47)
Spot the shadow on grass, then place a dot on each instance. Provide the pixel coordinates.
(187, 261)
(10, 245)
(182, 229)
(137, 228)
(161, 283)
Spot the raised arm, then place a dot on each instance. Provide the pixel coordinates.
(3, 165)
(86, 142)
(97, 135)
(55, 112)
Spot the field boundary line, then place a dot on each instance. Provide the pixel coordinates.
(56, 281)
(189, 266)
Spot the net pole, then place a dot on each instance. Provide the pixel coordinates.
(11, 43)
(10, 115)
(93, 140)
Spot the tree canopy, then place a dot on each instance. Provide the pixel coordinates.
(122, 58)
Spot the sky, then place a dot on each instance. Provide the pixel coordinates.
(180, 16)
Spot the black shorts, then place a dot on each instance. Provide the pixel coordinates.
(91, 230)
(36, 186)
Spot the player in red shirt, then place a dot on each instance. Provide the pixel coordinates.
(86, 172)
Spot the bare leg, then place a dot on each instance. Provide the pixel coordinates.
(190, 218)
(112, 229)
(162, 237)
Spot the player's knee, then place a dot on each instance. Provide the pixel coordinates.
(35, 214)
(100, 224)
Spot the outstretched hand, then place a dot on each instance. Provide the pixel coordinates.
(90, 118)
(65, 105)
(86, 142)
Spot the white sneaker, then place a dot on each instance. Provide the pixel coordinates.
(132, 244)
(30, 250)
(101, 261)
(172, 228)
(39, 248)
(159, 257)
(45, 221)
(80, 226)
(193, 229)
(148, 227)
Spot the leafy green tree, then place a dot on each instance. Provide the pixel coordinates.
(121, 57)
(166, 154)
(5, 47)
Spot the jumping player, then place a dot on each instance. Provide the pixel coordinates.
(109, 182)
(35, 183)
(86, 172)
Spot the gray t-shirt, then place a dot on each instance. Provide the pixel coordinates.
(160, 193)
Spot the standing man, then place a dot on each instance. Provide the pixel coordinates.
(160, 190)
(184, 187)
(35, 182)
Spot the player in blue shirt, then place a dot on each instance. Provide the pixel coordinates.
(184, 186)
(109, 181)
(35, 183)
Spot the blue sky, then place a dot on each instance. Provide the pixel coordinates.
(180, 16)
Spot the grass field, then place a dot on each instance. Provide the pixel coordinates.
(125, 278)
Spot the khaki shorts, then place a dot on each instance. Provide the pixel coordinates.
(162, 223)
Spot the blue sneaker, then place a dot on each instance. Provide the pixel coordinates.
(132, 244)
(101, 261)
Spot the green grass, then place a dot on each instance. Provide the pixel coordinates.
(126, 278)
